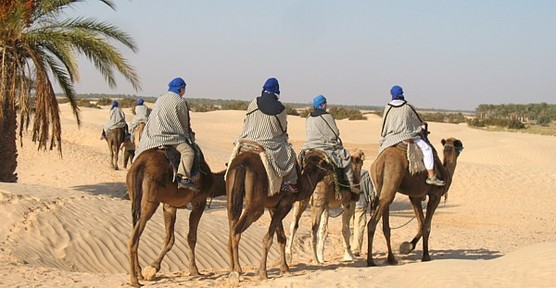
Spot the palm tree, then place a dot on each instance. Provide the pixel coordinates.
(38, 42)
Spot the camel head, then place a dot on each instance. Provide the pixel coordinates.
(452, 148)
(357, 158)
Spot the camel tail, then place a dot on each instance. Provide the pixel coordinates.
(137, 187)
(238, 190)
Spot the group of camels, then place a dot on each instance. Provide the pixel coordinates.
(245, 184)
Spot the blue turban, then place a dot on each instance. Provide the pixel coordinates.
(140, 101)
(397, 93)
(176, 85)
(318, 101)
(114, 104)
(271, 85)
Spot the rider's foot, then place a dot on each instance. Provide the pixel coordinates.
(185, 183)
(435, 181)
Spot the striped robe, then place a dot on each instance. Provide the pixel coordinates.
(400, 122)
(323, 134)
(168, 123)
(117, 119)
(140, 116)
(270, 132)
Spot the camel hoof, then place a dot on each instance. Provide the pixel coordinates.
(347, 257)
(406, 247)
(149, 272)
(289, 258)
(233, 279)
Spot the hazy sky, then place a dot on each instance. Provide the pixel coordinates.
(445, 54)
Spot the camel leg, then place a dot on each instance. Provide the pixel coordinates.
(386, 230)
(135, 268)
(169, 222)
(277, 215)
(322, 235)
(431, 207)
(250, 215)
(281, 237)
(194, 219)
(116, 153)
(407, 247)
(346, 217)
(371, 228)
(298, 209)
(316, 215)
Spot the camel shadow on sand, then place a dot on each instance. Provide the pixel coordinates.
(111, 189)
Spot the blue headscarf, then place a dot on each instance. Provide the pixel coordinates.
(114, 104)
(271, 85)
(176, 84)
(318, 101)
(140, 101)
(397, 93)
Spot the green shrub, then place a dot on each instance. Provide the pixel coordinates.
(86, 103)
(291, 111)
(203, 107)
(544, 120)
(515, 124)
(350, 114)
(104, 101)
(235, 105)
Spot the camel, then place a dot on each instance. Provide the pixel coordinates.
(115, 138)
(149, 183)
(128, 147)
(389, 173)
(247, 180)
(324, 197)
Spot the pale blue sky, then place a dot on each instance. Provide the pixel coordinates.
(445, 54)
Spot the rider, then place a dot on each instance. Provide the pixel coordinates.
(323, 134)
(141, 116)
(117, 120)
(359, 212)
(265, 123)
(169, 124)
(400, 122)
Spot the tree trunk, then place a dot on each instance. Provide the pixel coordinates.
(8, 146)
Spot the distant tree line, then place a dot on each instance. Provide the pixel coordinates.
(513, 115)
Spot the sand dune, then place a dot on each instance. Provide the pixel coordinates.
(65, 225)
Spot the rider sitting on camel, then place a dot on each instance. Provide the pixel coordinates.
(323, 134)
(117, 120)
(169, 124)
(400, 122)
(140, 116)
(265, 123)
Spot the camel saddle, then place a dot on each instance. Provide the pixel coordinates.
(340, 179)
(274, 181)
(174, 157)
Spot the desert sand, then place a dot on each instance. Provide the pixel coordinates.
(65, 224)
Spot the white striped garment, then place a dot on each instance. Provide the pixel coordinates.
(140, 116)
(323, 134)
(270, 132)
(117, 119)
(400, 122)
(168, 123)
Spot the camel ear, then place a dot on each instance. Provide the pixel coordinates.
(443, 142)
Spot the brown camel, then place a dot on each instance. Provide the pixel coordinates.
(115, 138)
(247, 181)
(128, 147)
(324, 197)
(149, 183)
(389, 173)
